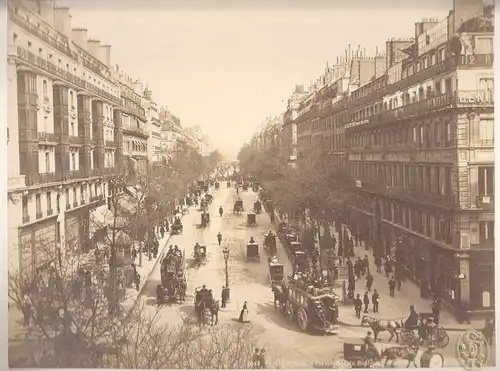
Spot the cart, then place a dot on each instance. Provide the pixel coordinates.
(205, 220)
(253, 252)
(176, 227)
(251, 219)
(356, 355)
(238, 207)
(270, 243)
(257, 207)
(276, 271)
(200, 255)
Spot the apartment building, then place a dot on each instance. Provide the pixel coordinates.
(420, 146)
(61, 100)
(153, 127)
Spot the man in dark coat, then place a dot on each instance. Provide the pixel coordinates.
(369, 281)
(358, 304)
(375, 301)
(436, 309)
(392, 286)
(366, 301)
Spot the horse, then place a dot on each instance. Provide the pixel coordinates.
(214, 311)
(380, 325)
(200, 307)
(279, 296)
(406, 352)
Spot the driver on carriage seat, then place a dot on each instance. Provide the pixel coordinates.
(412, 320)
(203, 291)
(252, 240)
(197, 245)
(371, 348)
(270, 234)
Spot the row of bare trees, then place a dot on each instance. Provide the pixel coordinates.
(73, 311)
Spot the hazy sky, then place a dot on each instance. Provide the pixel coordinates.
(225, 66)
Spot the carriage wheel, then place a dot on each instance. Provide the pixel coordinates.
(289, 312)
(302, 319)
(442, 338)
(339, 362)
(376, 364)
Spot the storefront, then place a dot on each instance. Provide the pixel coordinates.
(37, 246)
(77, 230)
(482, 280)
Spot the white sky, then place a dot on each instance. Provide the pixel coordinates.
(226, 65)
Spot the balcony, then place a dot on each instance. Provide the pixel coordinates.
(97, 141)
(155, 134)
(134, 130)
(75, 140)
(112, 143)
(26, 219)
(46, 138)
(39, 215)
(476, 60)
(75, 174)
(62, 46)
(95, 172)
(43, 178)
(45, 65)
(486, 203)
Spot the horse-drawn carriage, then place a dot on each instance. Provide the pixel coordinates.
(431, 334)
(270, 243)
(173, 283)
(358, 354)
(206, 308)
(199, 254)
(238, 207)
(251, 219)
(257, 207)
(176, 227)
(310, 311)
(205, 219)
(276, 271)
(253, 251)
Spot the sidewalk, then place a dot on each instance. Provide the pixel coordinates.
(397, 308)
(19, 335)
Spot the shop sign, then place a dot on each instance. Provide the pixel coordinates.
(477, 97)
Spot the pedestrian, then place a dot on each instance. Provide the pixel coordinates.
(256, 359)
(375, 301)
(357, 268)
(398, 280)
(378, 263)
(392, 286)
(462, 314)
(223, 296)
(350, 268)
(358, 304)
(262, 359)
(134, 253)
(162, 231)
(244, 314)
(137, 281)
(366, 265)
(387, 268)
(219, 238)
(369, 281)
(366, 301)
(488, 330)
(436, 309)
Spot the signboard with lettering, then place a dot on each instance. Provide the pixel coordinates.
(478, 97)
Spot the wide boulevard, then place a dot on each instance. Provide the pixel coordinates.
(285, 343)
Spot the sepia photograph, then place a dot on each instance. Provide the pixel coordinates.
(250, 184)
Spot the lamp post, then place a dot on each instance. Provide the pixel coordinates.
(226, 258)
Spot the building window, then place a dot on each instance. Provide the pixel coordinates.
(38, 201)
(71, 100)
(75, 197)
(45, 90)
(67, 198)
(486, 132)
(82, 194)
(47, 162)
(486, 234)
(58, 203)
(486, 84)
(49, 202)
(73, 161)
(485, 180)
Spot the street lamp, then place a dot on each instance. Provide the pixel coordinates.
(226, 258)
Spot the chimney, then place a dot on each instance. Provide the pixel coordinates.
(79, 36)
(47, 10)
(107, 55)
(62, 20)
(94, 46)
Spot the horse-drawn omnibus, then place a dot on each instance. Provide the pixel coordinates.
(311, 311)
(173, 282)
(276, 271)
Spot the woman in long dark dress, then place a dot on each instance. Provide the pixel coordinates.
(242, 313)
